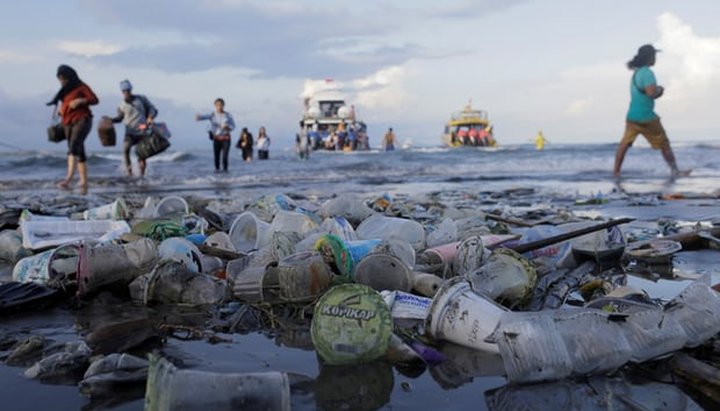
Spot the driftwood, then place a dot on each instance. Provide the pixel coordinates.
(513, 221)
(703, 377)
(544, 242)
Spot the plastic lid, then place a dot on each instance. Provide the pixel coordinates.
(351, 324)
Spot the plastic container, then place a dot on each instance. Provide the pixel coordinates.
(358, 249)
(426, 284)
(292, 221)
(247, 232)
(172, 282)
(221, 241)
(171, 206)
(351, 208)
(697, 310)
(378, 226)
(339, 226)
(53, 267)
(303, 277)
(470, 255)
(653, 251)
(254, 284)
(183, 251)
(460, 315)
(42, 234)
(407, 306)
(11, 248)
(442, 254)
(104, 264)
(555, 252)
(444, 233)
(382, 271)
(117, 210)
(506, 276)
(351, 324)
(171, 389)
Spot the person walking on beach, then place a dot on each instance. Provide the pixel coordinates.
(245, 144)
(75, 98)
(388, 142)
(263, 143)
(641, 118)
(302, 143)
(221, 126)
(137, 113)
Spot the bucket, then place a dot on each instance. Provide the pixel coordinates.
(117, 210)
(247, 232)
(351, 324)
(382, 271)
(169, 388)
(106, 132)
(183, 251)
(506, 276)
(253, 284)
(378, 226)
(460, 315)
(108, 263)
(303, 276)
(221, 241)
(470, 255)
(171, 206)
(53, 267)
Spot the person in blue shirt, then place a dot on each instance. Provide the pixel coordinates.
(641, 117)
(221, 126)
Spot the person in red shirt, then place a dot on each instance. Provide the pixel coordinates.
(75, 99)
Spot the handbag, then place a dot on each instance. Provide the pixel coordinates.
(151, 145)
(56, 131)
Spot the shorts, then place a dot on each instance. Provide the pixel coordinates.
(652, 130)
(76, 134)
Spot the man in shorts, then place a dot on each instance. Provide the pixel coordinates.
(641, 117)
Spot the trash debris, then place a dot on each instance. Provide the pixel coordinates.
(62, 366)
(113, 372)
(38, 235)
(172, 282)
(351, 324)
(169, 388)
(653, 251)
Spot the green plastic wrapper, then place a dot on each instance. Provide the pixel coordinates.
(332, 244)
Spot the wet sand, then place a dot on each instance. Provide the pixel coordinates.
(464, 383)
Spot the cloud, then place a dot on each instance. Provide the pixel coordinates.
(88, 48)
(273, 39)
(690, 63)
(466, 9)
(579, 106)
(14, 57)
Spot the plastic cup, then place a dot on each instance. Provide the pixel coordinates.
(252, 284)
(382, 227)
(360, 248)
(292, 221)
(340, 227)
(171, 206)
(169, 388)
(46, 267)
(221, 241)
(470, 255)
(117, 210)
(183, 251)
(444, 254)
(462, 316)
(382, 271)
(247, 232)
(303, 276)
(426, 284)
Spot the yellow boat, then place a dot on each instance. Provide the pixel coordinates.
(469, 128)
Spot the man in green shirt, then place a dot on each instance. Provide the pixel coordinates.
(641, 117)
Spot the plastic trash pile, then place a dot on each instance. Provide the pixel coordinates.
(372, 278)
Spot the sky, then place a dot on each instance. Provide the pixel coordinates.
(551, 65)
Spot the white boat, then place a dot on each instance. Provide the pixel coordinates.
(330, 123)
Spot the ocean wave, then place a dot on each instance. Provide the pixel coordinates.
(40, 159)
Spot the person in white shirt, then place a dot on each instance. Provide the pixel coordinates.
(263, 143)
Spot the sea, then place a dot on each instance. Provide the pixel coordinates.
(559, 169)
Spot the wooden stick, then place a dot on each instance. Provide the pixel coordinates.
(544, 242)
